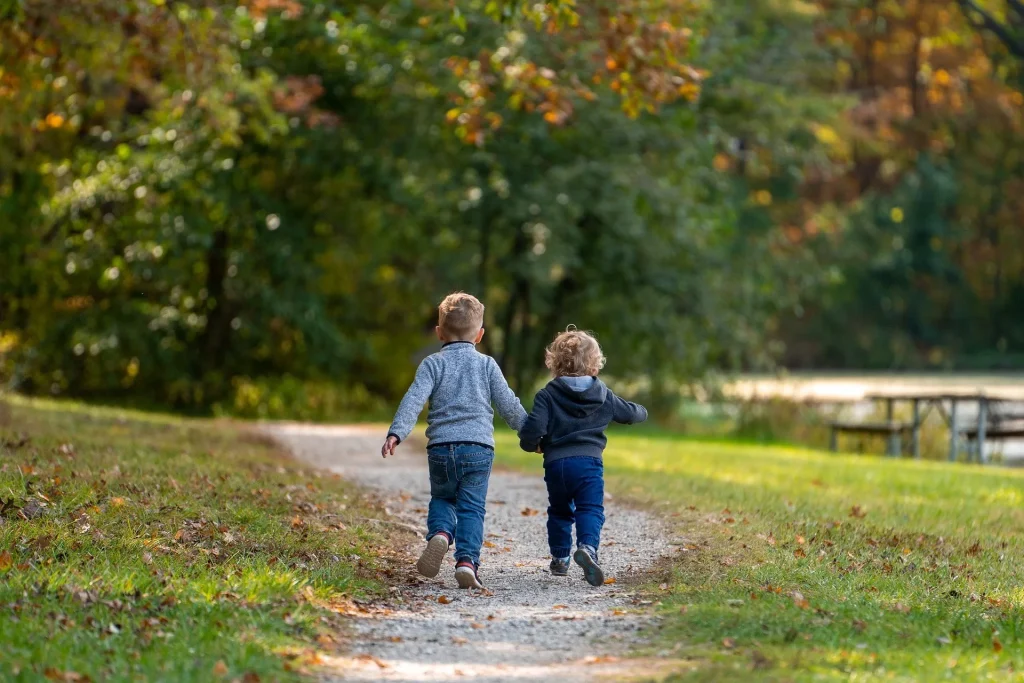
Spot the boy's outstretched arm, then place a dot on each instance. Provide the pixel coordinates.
(627, 412)
(505, 400)
(409, 409)
(536, 427)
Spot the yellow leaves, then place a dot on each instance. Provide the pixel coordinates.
(689, 91)
(609, 581)
(54, 120)
(942, 77)
(117, 502)
(763, 198)
(896, 214)
(552, 117)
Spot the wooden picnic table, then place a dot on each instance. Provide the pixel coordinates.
(982, 431)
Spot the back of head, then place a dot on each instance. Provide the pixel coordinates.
(574, 353)
(460, 316)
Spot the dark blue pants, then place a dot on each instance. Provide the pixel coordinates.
(459, 474)
(575, 496)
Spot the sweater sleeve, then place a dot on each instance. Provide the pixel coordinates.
(412, 403)
(536, 427)
(505, 400)
(626, 412)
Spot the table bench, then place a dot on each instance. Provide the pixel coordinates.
(892, 430)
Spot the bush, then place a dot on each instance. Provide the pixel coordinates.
(294, 399)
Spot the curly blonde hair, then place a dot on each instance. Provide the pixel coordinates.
(574, 353)
(460, 316)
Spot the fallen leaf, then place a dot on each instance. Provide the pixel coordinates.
(728, 643)
(996, 645)
(476, 625)
(5, 561)
(147, 557)
(610, 580)
(297, 522)
(117, 502)
(560, 607)
(857, 511)
(459, 640)
(800, 540)
(799, 552)
(488, 544)
(220, 668)
(604, 659)
(974, 549)
(799, 600)
(529, 512)
(443, 599)
(395, 639)
(251, 677)
(859, 625)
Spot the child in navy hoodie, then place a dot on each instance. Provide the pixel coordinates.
(567, 425)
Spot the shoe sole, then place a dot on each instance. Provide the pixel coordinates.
(554, 573)
(466, 578)
(430, 561)
(591, 570)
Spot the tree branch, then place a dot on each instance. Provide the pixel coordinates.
(983, 20)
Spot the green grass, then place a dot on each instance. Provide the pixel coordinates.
(144, 547)
(800, 565)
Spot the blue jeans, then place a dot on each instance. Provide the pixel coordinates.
(575, 495)
(459, 474)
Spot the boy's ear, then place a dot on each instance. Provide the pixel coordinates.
(479, 336)
(437, 331)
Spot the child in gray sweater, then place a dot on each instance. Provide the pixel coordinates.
(460, 384)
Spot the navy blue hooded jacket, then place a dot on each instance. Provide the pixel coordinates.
(569, 417)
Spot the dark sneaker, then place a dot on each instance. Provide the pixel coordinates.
(586, 557)
(560, 566)
(466, 575)
(430, 561)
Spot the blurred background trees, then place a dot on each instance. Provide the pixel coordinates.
(255, 205)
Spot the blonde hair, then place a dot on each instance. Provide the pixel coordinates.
(574, 353)
(460, 316)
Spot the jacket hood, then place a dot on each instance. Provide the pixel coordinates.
(575, 402)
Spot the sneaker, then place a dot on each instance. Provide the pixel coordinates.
(430, 561)
(559, 566)
(466, 575)
(586, 557)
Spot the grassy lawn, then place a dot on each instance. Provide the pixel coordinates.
(800, 565)
(138, 547)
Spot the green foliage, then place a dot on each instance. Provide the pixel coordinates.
(292, 199)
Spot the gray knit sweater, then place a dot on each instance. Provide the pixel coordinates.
(460, 384)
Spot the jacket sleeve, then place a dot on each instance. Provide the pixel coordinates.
(536, 427)
(505, 400)
(626, 412)
(412, 403)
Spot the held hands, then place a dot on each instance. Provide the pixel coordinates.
(389, 446)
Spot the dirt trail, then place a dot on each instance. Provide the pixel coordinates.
(528, 625)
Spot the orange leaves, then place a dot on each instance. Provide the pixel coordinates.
(529, 512)
(6, 561)
(799, 600)
(289, 9)
(444, 599)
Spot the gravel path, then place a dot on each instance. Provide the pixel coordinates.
(527, 625)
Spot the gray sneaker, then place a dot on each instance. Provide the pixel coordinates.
(559, 566)
(430, 561)
(586, 557)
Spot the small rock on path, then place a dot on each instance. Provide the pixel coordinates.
(528, 625)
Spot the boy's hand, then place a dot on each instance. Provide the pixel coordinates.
(389, 446)
(540, 450)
